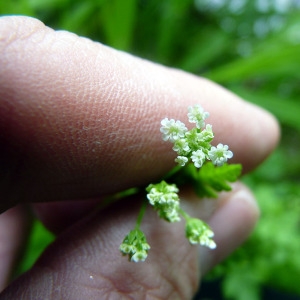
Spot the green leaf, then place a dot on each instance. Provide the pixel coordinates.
(204, 50)
(212, 179)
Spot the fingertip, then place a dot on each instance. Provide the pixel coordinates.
(232, 223)
(260, 140)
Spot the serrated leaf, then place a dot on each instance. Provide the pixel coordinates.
(212, 179)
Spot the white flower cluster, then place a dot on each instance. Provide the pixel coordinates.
(198, 232)
(196, 143)
(165, 200)
(135, 245)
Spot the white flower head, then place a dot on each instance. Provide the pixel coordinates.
(220, 154)
(181, 160)
(172, 130)
(198, 157)
(197, 115)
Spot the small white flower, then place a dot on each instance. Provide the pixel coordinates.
(181, 160)
(220, 154)
(197, 115)
(172, 130)
(198, 157)
(181, 146)
(126, 248)
(139, 256)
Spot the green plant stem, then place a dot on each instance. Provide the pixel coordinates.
(116, 197)
(184, 214)
(141, 214)
(172, 172)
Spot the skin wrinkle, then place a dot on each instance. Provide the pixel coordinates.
(167, 256)
(190, 267)
(109, 286)
(100, 287)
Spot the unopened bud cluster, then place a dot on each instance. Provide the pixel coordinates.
(165, 200)
(135, 245)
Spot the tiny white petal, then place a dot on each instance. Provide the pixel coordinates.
(139, 256)
(198, 158)
(181, 160)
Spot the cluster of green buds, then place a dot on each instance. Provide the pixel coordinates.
(165, 200)
(135, 245)
(198, 232)
(192, 146)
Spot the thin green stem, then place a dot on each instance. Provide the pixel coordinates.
(141, 214)
(172, 172)
(184, 214)
(116, 197)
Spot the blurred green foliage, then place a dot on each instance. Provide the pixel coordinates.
(250, 47)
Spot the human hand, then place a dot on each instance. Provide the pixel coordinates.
(80, 121)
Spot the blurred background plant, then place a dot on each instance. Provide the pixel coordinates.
(252, 47)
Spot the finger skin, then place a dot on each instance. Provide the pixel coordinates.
(232, 223)
(79, 119)
(84, 262)
(14, 226)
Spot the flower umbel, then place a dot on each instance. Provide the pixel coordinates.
(135, 246)
(198, 232)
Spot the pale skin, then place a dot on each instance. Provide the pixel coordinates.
(78, 121)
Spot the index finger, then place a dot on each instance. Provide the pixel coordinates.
(79, 119)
